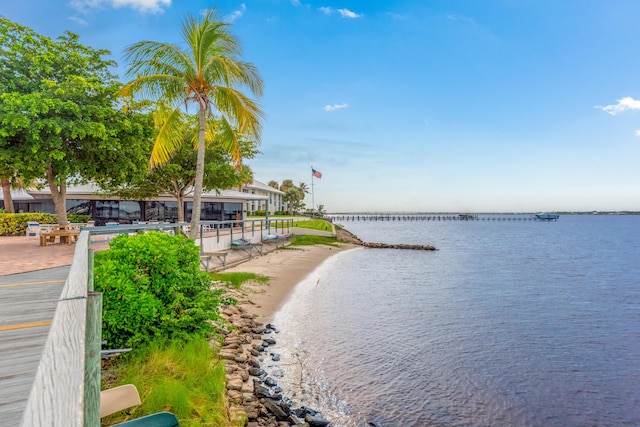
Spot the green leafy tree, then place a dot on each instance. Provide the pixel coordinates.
(60, 116)
(321, 212)
(303, 188)
(273, 184)
(206, 71)
(292, 197)
(177, 176)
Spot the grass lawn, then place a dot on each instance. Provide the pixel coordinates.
(237, 279)
(314, 224)
(186, 379)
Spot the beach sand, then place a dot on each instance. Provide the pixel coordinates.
(285, 268)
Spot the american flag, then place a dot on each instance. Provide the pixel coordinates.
(316, 173)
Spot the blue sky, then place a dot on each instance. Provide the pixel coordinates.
(443, 105)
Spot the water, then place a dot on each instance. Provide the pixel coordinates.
(508, 324)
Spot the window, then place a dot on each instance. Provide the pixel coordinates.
(106, 211)
(129, 211)
(161, 211)
(79, 207)
(211, 211)
(232, 211)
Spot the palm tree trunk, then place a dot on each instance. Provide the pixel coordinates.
(197, 186)
(6, 193)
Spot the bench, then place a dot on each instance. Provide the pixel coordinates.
(206, 256)
(66, 233)
(247, 247)
(275, 239)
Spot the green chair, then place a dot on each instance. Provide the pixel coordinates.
(160, 419)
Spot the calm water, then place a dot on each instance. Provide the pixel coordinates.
(516, 323)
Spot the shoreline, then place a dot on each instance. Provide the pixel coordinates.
(255, 398)
(286, 268)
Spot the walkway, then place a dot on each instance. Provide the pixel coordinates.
(31, 279)
(27, 304)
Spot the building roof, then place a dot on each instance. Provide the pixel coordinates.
(92, 192)
(18, 195)
(263, 187)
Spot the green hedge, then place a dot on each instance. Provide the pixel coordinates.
(153, 288)
(16, 224)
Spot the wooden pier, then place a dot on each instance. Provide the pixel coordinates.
(430, 217)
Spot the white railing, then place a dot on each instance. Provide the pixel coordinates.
(63, 381)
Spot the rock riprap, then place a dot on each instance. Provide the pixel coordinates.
(255, 397)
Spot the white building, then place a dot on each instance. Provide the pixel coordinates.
(274, 198)
(87, 200)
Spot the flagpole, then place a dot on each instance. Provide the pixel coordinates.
(313, 202)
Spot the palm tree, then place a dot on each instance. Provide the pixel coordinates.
(292, 196)
(206, 72)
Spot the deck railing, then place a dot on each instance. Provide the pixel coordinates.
(66, 388)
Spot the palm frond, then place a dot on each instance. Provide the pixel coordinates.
(240, 110)
(228, 139)
(171, 125)
(234, 73)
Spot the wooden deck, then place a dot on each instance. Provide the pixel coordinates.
(27, 305)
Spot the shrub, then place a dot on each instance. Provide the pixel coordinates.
(153, 287)
(16, 224)
(260, 212)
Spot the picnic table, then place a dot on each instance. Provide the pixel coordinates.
(247, 246)
(66, 234)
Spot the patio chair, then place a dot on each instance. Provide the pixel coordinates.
(159, 419)
(118, 399)
(33, 229)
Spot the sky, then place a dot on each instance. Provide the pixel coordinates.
(419, 105)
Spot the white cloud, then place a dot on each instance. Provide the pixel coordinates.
(335, 106)
(345, 13)
(623, 104)
(143, 6)
(237, 14)
(637, 132)
(295, 2)
(454, 17)
(78, 20)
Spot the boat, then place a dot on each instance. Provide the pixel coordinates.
(547, 217)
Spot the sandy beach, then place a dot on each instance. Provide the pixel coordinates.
(285, 268)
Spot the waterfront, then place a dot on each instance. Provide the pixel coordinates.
(508, 323)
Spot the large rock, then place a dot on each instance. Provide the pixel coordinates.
(276, 410)
(316, 420)
(228, 355)
(235, 383)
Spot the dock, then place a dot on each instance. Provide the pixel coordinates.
(429, 217)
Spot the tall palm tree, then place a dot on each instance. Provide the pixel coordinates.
(206, 71)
